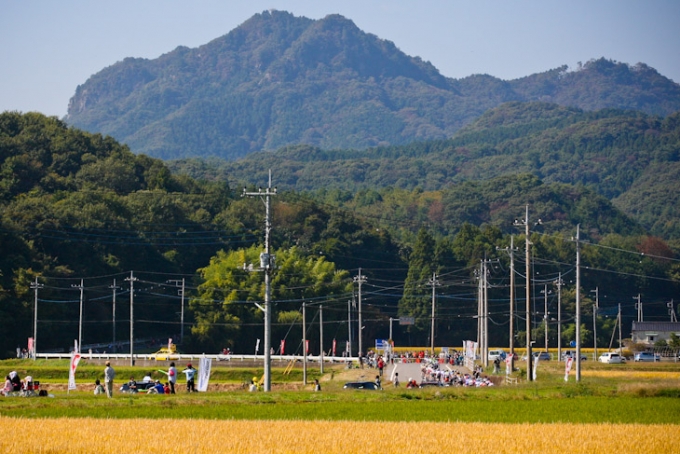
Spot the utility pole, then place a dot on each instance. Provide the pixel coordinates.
(321, 338)
(80, 320)
(434, 283)
(527, 247)
(511, 341)
(114, 287)
(512, 295)
(578, 303)
(671, 311)
(349, 328)
(545, 314)
(480, 311)
(596, 307)
(35, 286)
(267, 261)
(132, 280)
(177, 282)
(359, 279)
(391, 340)
(638, 306)
(559, 284)
(304, 343)
(485, 308)
(620, 322)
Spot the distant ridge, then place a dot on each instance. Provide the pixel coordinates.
(279, 80)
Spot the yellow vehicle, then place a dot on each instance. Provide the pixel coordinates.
(167, 354)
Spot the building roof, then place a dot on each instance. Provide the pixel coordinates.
(666, 327)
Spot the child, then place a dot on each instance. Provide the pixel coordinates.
(98, 388)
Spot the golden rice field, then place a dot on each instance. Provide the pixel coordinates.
(633, 374)
(102, 436)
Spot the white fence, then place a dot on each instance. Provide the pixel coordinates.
(196, 356)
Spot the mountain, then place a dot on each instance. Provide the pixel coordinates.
(279, 80)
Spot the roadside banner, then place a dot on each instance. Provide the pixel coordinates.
(75, 359)
(283, 346)
(335, 344)
(257, 346)
(204, 365)
(536, 365)
(307, 347)
(567, 367)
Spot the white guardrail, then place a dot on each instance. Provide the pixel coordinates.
(196, 356)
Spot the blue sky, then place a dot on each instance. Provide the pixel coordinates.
(50, 47)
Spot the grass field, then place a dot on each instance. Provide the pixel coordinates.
(635, 407)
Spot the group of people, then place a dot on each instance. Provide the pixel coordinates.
(148, 384)
(13, 384)
(433, 373)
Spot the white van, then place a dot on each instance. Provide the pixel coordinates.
(610, 358)
(499, 353)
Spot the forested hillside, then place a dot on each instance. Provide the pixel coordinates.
(75, 205)
(279, 80)
(83, 218)
(627, 157)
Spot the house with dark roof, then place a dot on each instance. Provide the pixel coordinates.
(651, 332)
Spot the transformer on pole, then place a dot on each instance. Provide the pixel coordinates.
(267, 263)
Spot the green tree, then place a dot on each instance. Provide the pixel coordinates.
(225, 311)
(416, 300)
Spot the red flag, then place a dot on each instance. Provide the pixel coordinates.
(283, 346)
(307, 347)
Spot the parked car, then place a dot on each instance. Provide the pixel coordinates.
(611, 358)
(542, 356)
(572, 354)
(436, 384)
(646, 357)
(361, 385)
(499, 353)
(167, 354)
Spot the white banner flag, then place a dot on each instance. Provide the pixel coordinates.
(204, 365)
(75, 359)
(535, 365)
(567, 367)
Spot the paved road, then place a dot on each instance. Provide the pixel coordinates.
(413, 370)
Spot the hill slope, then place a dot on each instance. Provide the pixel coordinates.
(278, 80)
(627, 157)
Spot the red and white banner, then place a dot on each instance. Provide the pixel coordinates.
(75, 359)
(335, 344)
(283, 346)
(567, 367)
(169, 345)
(307, 347)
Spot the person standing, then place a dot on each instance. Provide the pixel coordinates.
(317, 385)
(190, 373)
(172, 377)
(109, 375)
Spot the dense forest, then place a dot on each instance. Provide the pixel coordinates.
(279, 80)
(630, 158)
(84, 219)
